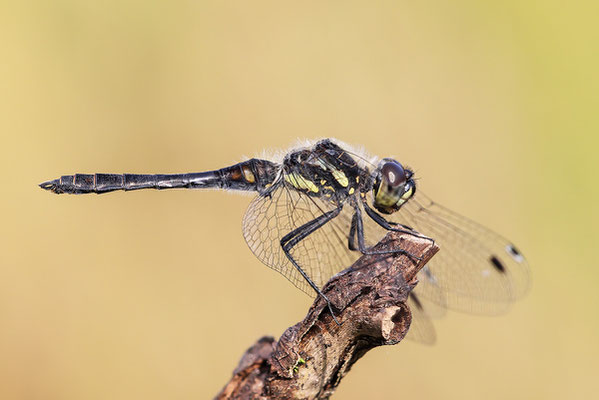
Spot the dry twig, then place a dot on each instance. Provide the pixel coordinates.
(311, 357)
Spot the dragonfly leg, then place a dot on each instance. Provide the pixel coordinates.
(392, 226)
(361, 241)
(297, 235)
(351, 239)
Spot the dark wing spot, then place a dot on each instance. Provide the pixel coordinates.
(416, 301)
(514, 251)
(497, 264)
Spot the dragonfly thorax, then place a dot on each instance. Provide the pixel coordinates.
(326, 171)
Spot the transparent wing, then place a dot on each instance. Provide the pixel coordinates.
(322, 254)
(476, 270)
(421, 329)
(436, 308)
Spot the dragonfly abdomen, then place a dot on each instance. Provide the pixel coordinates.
(103, 183)
(251, 175)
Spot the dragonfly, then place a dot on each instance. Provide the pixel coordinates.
(325, 204)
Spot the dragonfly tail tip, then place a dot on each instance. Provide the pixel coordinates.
(50, 185)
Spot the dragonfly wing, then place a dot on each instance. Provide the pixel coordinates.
(476, 270)
(435, 308)
(323, 253)
(421, 329)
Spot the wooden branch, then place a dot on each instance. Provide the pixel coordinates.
(311, 357)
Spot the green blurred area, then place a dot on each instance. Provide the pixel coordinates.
(155, 294)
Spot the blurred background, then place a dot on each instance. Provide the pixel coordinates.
(155, 295)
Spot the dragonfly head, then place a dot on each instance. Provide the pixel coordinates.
(393, 186)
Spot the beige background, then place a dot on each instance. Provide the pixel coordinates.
(155, 295)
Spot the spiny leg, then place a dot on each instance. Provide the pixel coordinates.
(392, 226)
(297, 235)
(351, 239)
(361, 241)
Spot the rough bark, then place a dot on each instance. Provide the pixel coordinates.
(311, 357)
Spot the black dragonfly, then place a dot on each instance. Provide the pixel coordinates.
(325, 204)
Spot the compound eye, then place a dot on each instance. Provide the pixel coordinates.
(393, 174)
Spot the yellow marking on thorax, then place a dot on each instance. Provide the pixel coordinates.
(340, 177)
(299, 182)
